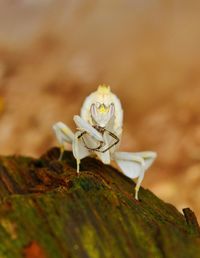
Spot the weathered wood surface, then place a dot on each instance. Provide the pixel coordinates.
(48, 211)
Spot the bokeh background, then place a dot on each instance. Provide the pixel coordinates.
(54, 53)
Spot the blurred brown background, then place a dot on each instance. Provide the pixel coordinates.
(54, 53)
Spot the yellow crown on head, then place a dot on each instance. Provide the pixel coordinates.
(103, 109)
(103, 89)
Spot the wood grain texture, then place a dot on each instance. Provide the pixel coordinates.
(47, 211)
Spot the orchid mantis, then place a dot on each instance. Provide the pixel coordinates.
(99, 130)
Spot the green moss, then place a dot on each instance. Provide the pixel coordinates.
(90, 242)
(87, 183)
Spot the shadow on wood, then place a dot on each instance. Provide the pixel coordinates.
(48, 211)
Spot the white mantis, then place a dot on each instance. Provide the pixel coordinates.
(99, 130)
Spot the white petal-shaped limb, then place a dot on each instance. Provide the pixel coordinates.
(79, 149)
(82, 145)
(134, 165)
(63, 134)
(85, 126)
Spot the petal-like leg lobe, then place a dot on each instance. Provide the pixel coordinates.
(79, 150)
(134, 165)
(63, 134)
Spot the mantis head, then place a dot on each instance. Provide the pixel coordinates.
(103, 108)
(102, 114)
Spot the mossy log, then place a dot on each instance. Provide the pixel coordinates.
(47, 211)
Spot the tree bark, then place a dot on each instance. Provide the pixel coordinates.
(48, 211)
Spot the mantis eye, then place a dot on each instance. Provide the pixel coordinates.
(93, 111)
(112, 110)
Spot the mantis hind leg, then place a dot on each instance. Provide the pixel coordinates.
(134, 165)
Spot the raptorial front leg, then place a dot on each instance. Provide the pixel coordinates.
(63, 134)
(134, 165)
(86, 127)
(114, 143)
(94, 146)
